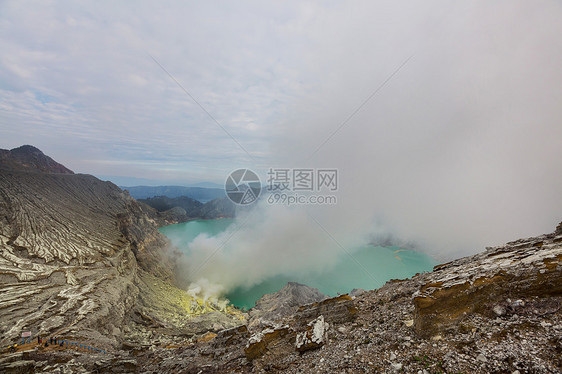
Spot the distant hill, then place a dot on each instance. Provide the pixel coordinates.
(190, 206)
(218, 208)
(207, 185)
(201, 194)
(165, 210)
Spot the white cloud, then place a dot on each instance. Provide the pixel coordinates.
(460, 149)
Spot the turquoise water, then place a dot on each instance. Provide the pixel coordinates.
(369, 267)
(181, 234)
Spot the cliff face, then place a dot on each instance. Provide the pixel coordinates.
(80, 259)
(71, 247)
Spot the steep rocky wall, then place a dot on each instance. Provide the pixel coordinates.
(72, 252)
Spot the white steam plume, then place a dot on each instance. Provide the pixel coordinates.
(460, 149)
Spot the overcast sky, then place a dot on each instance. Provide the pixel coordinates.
(463, 130)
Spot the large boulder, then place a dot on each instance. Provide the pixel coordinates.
(313, 336)
(335, 310)
(271, 342)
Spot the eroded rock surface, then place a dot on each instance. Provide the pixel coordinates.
(80, 259)
(375, 332)
(476, 284)
(339, 309)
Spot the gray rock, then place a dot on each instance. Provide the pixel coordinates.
(518, 304)
(356, 292)
(499, 310)
(284, 302)
(396, 366)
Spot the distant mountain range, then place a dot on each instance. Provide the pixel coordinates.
(136, 181)
(201, 194)
(166, 210)
(207, 185)
(163, 203)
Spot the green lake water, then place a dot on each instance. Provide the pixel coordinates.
(369, 268)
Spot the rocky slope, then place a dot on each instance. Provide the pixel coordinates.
(526, 268)
(495, 312)
(219, 208)
(426, 324)
(80, 259)
(163, 203)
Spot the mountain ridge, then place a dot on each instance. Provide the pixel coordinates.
(201, 194)
(30, 158)
(165, 211)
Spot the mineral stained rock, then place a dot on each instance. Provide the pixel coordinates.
(271, 342)
(374, 332)
(313, 336)
(335, 310)
(303, 331)
(476, 284)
